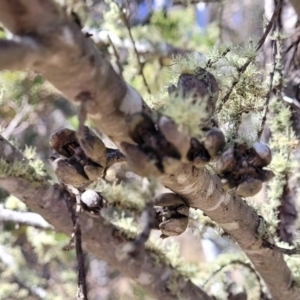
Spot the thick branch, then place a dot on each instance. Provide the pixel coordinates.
(100, 239)
(75, 67)
(17, 54)
(24, 218)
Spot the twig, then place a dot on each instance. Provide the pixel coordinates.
(220, 16)
(244, 67)
(241, 263)
(148, 217)
(81, 118)
(270, 24)
(264, 118)
(290, 252)
(211, 62)
(272, 90)
(24, 218)
(20, 114)
(117, 57)
(76, 234)
(127, 25)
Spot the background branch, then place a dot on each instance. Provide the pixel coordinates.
(24, 218)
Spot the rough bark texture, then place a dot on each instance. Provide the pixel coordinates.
(73, 65)
(99, 238)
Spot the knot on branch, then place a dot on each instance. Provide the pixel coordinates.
(77, 160)
(164, 145)
(243, 168)
(159, 148)
(172, 214)
(203, 151)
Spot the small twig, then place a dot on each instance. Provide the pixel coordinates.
(293, 251)
(244, 67)
(264, 118)
(24, 218)
(270, 25)
(117, 57)
(211, 62)
(82, 114)
(76, 193)
(76, 234)
(127, 25)
(148, 217)
(221, 10)
(241, 263)
(276, 48)
(20, 114)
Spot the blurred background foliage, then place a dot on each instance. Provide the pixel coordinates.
(33, 264)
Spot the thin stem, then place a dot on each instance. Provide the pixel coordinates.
(117, 57)
(243, 264)
(244, 67)
(82, 285)
(127, 25)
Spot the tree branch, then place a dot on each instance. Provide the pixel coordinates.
(24, 218)
(99, 238)
(109, 100)
(17, 54)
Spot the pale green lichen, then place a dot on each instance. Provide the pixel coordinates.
(161, 251)
(187, 113)
(157, 101)
(248, 95)
(282, 142)
(187, 64)
(201, 223)
(131, 196)
(18, 169)
(293, 263)
(29, 168)
(14, 203)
